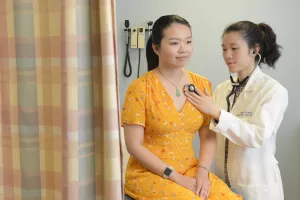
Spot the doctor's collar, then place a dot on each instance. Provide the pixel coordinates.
(254, 77)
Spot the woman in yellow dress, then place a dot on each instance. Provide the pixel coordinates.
(160, 124)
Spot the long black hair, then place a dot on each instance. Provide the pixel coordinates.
(157, 34)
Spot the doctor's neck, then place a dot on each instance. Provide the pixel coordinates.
(246, 72)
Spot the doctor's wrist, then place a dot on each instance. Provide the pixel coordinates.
(216, 114)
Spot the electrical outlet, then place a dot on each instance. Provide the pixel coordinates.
(141, 37)
(134, 37)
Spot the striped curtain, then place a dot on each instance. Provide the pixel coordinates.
(59, 108)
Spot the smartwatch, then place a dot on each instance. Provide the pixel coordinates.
(168, 172)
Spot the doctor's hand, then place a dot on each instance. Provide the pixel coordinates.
(203, 102)
(203, 183)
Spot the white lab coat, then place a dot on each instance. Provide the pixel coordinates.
(251, 128)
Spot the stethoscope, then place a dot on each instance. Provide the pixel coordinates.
(235, 85)
(192, 88)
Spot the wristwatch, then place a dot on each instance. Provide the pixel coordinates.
(168, 172)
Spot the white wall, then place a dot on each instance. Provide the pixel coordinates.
(208, 21)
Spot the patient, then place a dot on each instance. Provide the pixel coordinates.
(159, 124)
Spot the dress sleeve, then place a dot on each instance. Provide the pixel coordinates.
(207, 118)
(133, 111)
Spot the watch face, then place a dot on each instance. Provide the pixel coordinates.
(168, 171)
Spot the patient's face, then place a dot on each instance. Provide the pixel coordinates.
(176, 46)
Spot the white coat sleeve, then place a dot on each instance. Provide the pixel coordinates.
(258, 128)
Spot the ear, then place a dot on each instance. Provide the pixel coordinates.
(155, 48)
(255, 50)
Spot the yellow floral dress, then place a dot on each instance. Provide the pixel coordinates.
(168, 134)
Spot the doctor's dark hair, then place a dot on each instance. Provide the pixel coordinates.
(258, 34)
(157, 35)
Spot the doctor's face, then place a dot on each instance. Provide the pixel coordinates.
(236, 53)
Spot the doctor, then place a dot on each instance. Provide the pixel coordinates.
(247, 113)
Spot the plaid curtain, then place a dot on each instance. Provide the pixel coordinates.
(59, 108)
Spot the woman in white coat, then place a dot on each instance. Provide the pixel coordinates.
(247, 112)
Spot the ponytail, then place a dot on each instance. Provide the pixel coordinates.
(270, 50)
(152, 57)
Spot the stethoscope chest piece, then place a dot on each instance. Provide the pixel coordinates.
(191, 88)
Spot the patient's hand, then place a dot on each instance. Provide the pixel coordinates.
(202, 183)
(185, 181)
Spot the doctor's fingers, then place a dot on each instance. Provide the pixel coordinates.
(194, 101)
(200, 93)
(207, 93)
(192, 95)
